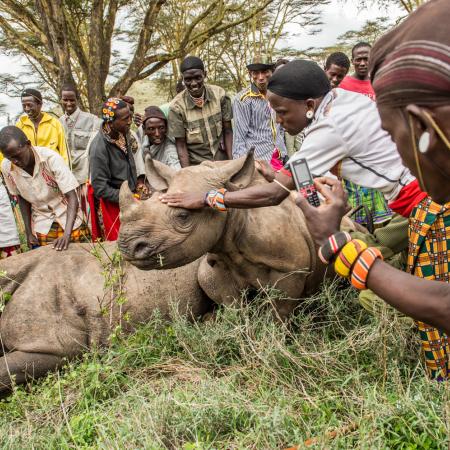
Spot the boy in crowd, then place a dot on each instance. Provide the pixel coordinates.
(46, 189)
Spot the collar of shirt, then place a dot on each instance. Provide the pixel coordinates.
(190, 103)
(46, 117)
(71, 119)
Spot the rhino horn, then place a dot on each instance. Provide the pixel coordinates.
(158, 175)
(237, 174)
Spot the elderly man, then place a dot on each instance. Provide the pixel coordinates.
(46, 189)
(79, 127)
(156, 142)
(254, 121)
(41, 128)
(200, 117)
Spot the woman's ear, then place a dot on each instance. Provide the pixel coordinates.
(425, 133)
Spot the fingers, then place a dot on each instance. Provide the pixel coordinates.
(303, 204)
(323, 185)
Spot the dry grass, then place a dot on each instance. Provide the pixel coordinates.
(333, 377)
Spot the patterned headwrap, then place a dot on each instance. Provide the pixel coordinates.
(411, 63)
(110, 108)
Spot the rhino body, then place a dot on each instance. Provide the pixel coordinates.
(60, 306)
(246, 248)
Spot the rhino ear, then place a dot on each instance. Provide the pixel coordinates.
(159, 175)
(242, 175)
(127, 202)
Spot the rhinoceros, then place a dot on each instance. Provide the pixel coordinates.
(246, 248)
(63, 303)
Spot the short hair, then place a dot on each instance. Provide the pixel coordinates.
(338, 59)
(10, 133)
(30, 92)
(359, 45)
(69, 87)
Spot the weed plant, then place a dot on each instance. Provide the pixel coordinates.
(334, 377)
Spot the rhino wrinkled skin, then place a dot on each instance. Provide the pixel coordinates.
(246, 248)
(59, 306)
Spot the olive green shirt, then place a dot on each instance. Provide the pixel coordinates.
(201, 127)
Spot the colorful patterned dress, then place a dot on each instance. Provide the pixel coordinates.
(429, 258)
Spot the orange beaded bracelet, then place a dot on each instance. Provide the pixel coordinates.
(362, 266)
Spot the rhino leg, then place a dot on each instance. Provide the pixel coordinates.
(22, 366)
(217, 281)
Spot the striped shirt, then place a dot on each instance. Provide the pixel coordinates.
(255, 126)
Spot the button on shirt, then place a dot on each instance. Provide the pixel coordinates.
(346, 138)
(44, 190)
(255, 126)
(80, 127)
(200, 126)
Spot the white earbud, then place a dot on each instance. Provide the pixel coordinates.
(309, 114)
(424, 142)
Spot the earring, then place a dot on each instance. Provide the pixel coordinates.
(309, 114)
(424, 142)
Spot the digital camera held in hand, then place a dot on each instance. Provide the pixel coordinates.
(303, 181)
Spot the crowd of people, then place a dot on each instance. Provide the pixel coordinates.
(376, 139)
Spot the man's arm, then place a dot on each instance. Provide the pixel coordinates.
(406, 293)
(62, 243)
(62, 144)
(228, 138)
(25, 210)
(269, 194)
(227, 115)
(182, 151)
(177, 131)
(403, 291)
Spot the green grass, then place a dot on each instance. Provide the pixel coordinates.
(242, 381)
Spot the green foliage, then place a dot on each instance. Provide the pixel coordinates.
(241, 381)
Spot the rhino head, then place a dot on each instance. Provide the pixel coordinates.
(156, 236)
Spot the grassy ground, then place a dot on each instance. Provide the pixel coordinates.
(242, 381)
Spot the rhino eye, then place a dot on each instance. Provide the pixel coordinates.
(183, 216)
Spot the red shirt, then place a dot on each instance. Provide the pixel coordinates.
(361, 86)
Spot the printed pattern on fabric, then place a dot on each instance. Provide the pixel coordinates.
(428, 257)
(81, 234)
(371, 198)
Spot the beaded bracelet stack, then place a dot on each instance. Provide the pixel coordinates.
(352, 258)
(215, 199)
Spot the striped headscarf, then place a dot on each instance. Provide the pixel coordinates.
(411, 63)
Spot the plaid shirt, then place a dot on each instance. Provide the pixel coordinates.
(429, 258)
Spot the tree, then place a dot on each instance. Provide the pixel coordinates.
(230, 52)
(72, 40)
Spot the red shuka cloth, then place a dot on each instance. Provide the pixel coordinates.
(407, 199)
(110, 215)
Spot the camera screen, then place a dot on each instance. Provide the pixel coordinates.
(302, 172)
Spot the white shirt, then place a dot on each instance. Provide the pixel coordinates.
(44, 190)
(346, 135)
(8, 229)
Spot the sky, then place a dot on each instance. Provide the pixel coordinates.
(338, 17)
